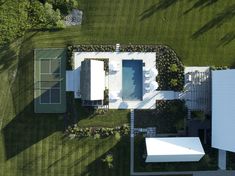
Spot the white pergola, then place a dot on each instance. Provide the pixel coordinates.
(174, 149)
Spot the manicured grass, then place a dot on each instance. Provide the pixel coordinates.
(32, 144)
(111, 118)
(202, 35)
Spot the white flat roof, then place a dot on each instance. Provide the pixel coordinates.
(97, 80)
(223, 109)
(174, 149)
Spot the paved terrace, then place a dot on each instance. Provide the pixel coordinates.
(114, 80)
(198, 89)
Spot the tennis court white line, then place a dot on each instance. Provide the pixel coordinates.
(56, 88)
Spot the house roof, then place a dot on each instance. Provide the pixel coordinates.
(92, 81)
(223, 106)
(174, 149)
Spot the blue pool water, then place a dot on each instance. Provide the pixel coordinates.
(132, 79)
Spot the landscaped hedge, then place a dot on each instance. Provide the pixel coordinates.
(139, 48)
(170, 69)
(94, 48)
(97, 132)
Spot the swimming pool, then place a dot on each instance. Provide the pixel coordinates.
(132, 80)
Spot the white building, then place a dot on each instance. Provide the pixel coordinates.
(223, 109)
(174, 149)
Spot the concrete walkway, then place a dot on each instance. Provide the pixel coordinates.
(194, 173)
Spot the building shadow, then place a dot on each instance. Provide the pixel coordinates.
(200, 4)
(222, 17)
(161, 5)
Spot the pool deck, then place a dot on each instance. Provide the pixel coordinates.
(114, 79)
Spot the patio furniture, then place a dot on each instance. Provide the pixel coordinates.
(147, 74)
(147, 88)
(114, 66)
(154, 71)
(154, 85)
(114, 95)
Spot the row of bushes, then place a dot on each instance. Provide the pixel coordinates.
(94, 48)
(97, 132)
(139, 48)
(218, 67)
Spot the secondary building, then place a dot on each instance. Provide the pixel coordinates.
(223, 106)
(174, 149)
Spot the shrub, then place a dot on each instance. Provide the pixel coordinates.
(106, 96)
(97, 136)
(174, 68)
(174, 82)
(108, 160)
(117, 136)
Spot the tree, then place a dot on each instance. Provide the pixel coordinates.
(44, 16)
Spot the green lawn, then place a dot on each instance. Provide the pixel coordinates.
(200, 36)
(33, 144)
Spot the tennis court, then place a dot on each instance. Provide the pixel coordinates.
(49, 77)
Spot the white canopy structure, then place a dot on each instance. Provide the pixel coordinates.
(174, 149)
(92, 80)
(223, 107)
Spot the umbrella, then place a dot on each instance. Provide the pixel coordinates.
(153, 85)
(113, 66)
(154, 71)
(113, 96)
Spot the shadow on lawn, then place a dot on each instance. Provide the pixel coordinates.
(227, 38)
(161, 5)
(221, 18)
(26, 128)
(121, 161)
(7, 57)
(200, 4)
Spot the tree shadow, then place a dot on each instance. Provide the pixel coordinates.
(227, 38)
(6, 57)
(3, 2)
(121, 161)
(27, 128)
(161, 5)
(226, 15)
(200, 4)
